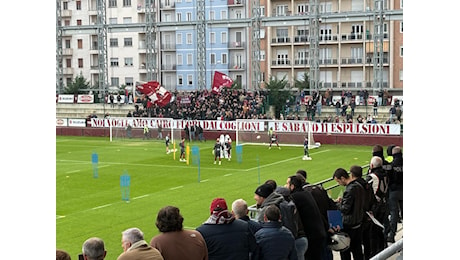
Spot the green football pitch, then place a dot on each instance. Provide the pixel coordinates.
(87, 206)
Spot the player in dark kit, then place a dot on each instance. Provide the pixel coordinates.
(274, 139)
(167, 140)
(228, 146)
(182, 150)
(217, 148)
(306, 154)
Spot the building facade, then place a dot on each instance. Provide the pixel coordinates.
(172, 42)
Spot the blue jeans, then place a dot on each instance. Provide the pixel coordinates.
(301, 246)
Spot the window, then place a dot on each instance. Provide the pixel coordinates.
(224, 58)
(180, 80)
(112, 3)
(212, 15)
(189, 59)
(78, 21)
(114, 62)
(180, 59)
(126, 3)
(127, 20)
(67, 44)
(401, 27)
(212, 59)
(129, 81)
(113, 20)
(189, 16)
(302, 8)
(212, 37)
(189, 80)
(401, 75)
(128, 42)
(78, 5)
(179, 38)
(114, 81)
(262, 55)
(223, 37)
(113, 42)
(68, 63)
(80, 63)
(128, 62)
(281, 10)
(401, 51)
(262, 11)
(179, 17)
(356, 52)
(65, 6)
(67, 22)
(80, 43)
(189, 38)
(223, 14)
(238, 14)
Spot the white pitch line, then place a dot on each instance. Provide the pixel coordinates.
(229, 174)
(73, 171)
(205, 180)
(140, 197)
(175, 188)
(58, 217)
(103, 206)
(278, 162)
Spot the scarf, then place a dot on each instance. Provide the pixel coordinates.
(220, 217)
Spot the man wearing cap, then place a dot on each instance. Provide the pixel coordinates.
(225, 236)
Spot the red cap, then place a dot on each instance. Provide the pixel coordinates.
(218, 204)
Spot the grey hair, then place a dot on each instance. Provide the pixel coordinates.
(133, 235)
(240, 207)
(376, 161)
(93, 248)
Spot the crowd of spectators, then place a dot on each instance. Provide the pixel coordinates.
(204, 105)
(242, 104)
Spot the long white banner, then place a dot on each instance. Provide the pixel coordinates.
(285, 126)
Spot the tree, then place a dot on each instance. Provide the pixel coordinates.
(78, 86)
(304, 83)
(277, 93)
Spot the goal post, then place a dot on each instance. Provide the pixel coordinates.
(132, 128)
(290, 132)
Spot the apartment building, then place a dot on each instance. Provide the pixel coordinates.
(165, 42)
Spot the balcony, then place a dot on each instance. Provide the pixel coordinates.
(235, 2)
(67, 71)
(66, 13)
(327, 62)
(67, 52)
(168, 46)
(352, 61)
(302, 38)
(328, 37)
(301, 62)
(236, 45)
(237, 67)
(280, 62)
(285, 39)
(168, 67)
(167, 6)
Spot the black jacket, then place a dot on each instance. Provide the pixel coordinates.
(352, 205)
(396, 177)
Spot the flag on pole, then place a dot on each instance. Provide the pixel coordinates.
(157, 93)
(220, 80)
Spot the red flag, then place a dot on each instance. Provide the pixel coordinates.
(157, 93)
(220, 80)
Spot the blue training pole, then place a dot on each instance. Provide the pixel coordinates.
(95, 161)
